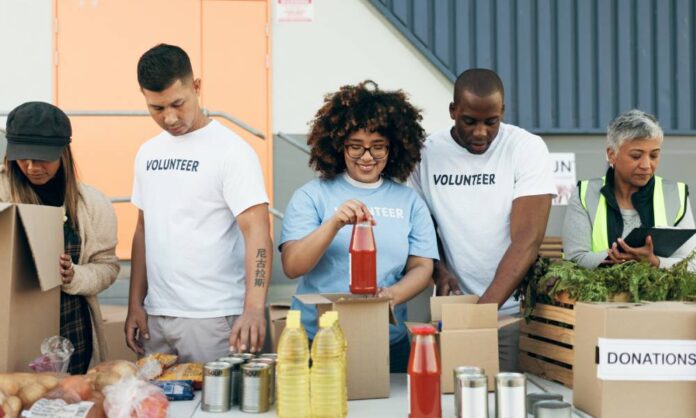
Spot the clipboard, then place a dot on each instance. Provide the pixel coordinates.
(665, 240)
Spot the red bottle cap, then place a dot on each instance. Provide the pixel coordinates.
(423, 330)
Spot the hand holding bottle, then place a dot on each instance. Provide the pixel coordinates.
(351, 212)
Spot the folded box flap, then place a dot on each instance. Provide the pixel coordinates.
(4, 206)
(312, 299)
(469, 316)
(43, 226)
(436, 303)
(278, 311)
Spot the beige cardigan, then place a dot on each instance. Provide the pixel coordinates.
(98, 265)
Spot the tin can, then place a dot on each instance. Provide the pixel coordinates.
(510, 395)
(460, 371)
(271, 362)
(235, 378)
(274, 356)
(245, 356)
(256, 379)
(471, 394)
(533, 398)
(552, 409)
(216, 387)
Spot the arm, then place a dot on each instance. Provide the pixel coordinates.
(300, 256)
(445, 282)
(577, 236)
(249, 330)
(98, 266)
(528, 220)
(417, 277)
(136, 321)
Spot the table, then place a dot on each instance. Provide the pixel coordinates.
(394, 406)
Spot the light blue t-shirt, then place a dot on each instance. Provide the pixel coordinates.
(404, 227)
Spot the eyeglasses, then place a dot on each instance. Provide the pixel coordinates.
(377, 152)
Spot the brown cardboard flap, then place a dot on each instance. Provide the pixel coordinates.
(436, 303)
(278, 311)
(4, 206)
(43, 228)
(343, 298)
(507, 320)
(469, 316)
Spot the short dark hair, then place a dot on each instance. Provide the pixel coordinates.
(479, 81)
(161, 66)
(365, 106)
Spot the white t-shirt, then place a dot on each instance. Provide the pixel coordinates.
(190, 189)
(470, 196)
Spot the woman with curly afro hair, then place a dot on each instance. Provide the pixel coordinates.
(364, 141)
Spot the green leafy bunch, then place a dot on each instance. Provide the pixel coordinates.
(636, 281)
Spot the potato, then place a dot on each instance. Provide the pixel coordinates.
(48, 381)
(81, 386)
(31, 393)
(15, 405)
(8, 385)
(125, 368)
(105, 379)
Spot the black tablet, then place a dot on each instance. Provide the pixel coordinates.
(665, 240)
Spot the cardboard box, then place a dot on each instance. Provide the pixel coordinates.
(277, 312)
(31, 241)
(469, 336)
(114, 318)
(659, 321)
(365, 323)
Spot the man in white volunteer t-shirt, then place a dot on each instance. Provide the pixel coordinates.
(201, 257)
(488, 186)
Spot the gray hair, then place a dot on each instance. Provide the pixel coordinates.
(634, 124)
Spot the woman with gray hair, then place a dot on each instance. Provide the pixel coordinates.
(603, 211)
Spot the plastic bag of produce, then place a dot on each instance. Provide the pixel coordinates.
(134, 398)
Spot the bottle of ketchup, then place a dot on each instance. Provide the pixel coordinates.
(424, 375)
(363, 259)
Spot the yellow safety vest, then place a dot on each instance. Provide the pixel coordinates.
(669, 202)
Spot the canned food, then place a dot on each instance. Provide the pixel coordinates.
(552, 409)
(510, 395)
(216, 387)
(460, 371)
(235, 377)
(256, 379)
(274, 356)
(471, 394)
(245, 356)
(533, 398)
(271, 362)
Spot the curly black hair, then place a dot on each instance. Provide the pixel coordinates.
(365, 106)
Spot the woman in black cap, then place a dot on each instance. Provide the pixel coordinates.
(39, 169)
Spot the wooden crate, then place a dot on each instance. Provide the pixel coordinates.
(547, 340)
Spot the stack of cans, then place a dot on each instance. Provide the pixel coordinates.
(470, 392)
(247, 380)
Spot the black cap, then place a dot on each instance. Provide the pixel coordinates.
(37, 131)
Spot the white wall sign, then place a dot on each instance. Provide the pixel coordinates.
(563, 166)
(294, 11)
(647, 360)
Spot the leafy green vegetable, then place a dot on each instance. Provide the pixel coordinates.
(639, 281)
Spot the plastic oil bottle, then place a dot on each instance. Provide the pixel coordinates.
(333, 317)
(328, 381)
(292, 370)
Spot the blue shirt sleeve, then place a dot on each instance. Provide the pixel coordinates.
(421, 240)
(302, 215)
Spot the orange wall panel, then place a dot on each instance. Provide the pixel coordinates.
(98, 45)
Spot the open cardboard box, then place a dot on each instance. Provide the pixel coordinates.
(31, 242)
(657, 321)
(469, 335)
(365, 323)
(114, 318)
(277, 313)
